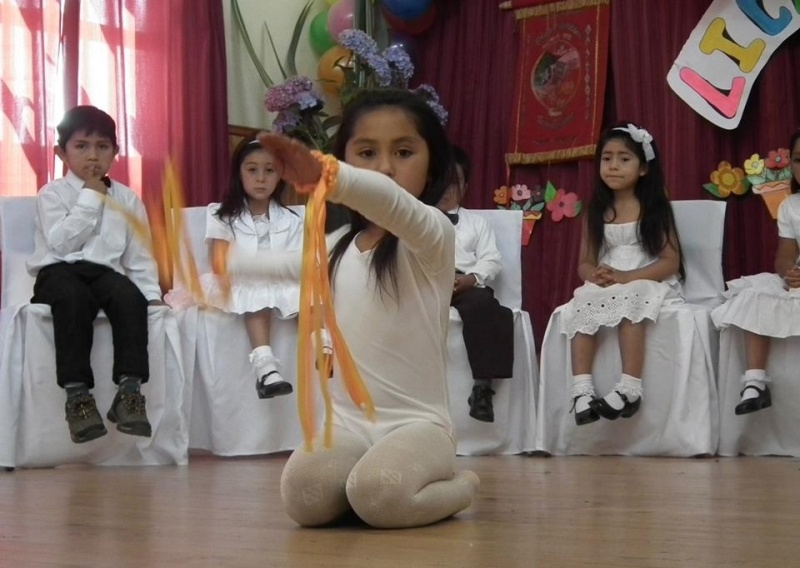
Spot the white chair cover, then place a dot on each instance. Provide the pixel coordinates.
(33, 432)
(514, 428)
(228, 419)
(774, 430)
(679, 415)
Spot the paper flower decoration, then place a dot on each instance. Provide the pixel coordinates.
(769, 177)
(520, 193)
(727, 179)
(561, 203)
(502, 196)
(754, 165)
(532, 203)
(777, 159)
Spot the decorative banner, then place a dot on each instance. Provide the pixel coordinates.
(723, 56)
(561, 79)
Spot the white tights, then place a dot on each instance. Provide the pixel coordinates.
(406, 479)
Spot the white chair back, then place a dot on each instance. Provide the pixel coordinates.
(701, 227)
(194, 222)
(507, 226)
(17, 215)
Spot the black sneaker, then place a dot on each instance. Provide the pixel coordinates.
(480, 403)
(129, 414)
(85, 422)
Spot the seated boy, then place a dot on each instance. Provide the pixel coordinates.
(86, 259)
(488, 327)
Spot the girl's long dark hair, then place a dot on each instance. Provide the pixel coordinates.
(795, 138)
(440, 172)
(235, 201)
(656, 220)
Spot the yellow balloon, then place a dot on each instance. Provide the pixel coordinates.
(329, 70)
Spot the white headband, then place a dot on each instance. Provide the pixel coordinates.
(641, 136)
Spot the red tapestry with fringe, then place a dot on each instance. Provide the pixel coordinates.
(561, 80)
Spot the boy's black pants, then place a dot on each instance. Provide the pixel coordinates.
(488, 333)
(75, 293)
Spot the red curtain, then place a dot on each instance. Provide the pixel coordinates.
(157, 67)
(30, 31)
(475, 81)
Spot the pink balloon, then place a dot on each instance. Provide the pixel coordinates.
(340, 17)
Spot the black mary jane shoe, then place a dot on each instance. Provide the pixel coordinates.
(271, 390)
(763, 400)
(584, 416)
(610, 413)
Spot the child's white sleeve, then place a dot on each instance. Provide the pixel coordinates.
(275, 265)
(785, 228)
(488, 261)
(67, 229)
(216, 228)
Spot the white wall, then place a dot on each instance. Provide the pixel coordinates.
(245, 88)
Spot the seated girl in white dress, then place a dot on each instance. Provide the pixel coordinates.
(630, 261)
(765, 305)
(252, 218)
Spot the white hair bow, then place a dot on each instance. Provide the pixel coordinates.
(641, 136)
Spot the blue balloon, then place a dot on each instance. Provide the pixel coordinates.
(406, 9)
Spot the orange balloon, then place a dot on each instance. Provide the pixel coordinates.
(329, 70)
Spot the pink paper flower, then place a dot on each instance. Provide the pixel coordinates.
(777, 159)
(520, 192)
(563, 205)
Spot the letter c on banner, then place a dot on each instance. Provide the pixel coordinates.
(758, 15)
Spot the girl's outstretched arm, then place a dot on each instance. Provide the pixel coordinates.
(424, 229)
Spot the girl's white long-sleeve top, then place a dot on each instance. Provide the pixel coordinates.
(397, 338)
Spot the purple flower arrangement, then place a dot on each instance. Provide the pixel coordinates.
(300, 111)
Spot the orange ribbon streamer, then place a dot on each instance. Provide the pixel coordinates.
(164, 234)
(316, 312)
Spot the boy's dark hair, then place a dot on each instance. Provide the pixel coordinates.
(234, 202)
(656, 220)
(88, 119)
(795, 138)
(440, 170)
(461, 158)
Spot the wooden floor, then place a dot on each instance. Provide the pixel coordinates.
(531, 511)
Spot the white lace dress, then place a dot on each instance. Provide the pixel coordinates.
(761, 303)
(282, 230)
(593, 306)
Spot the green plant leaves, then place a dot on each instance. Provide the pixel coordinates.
(549, 192)
(713, 189)
(238, 20)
